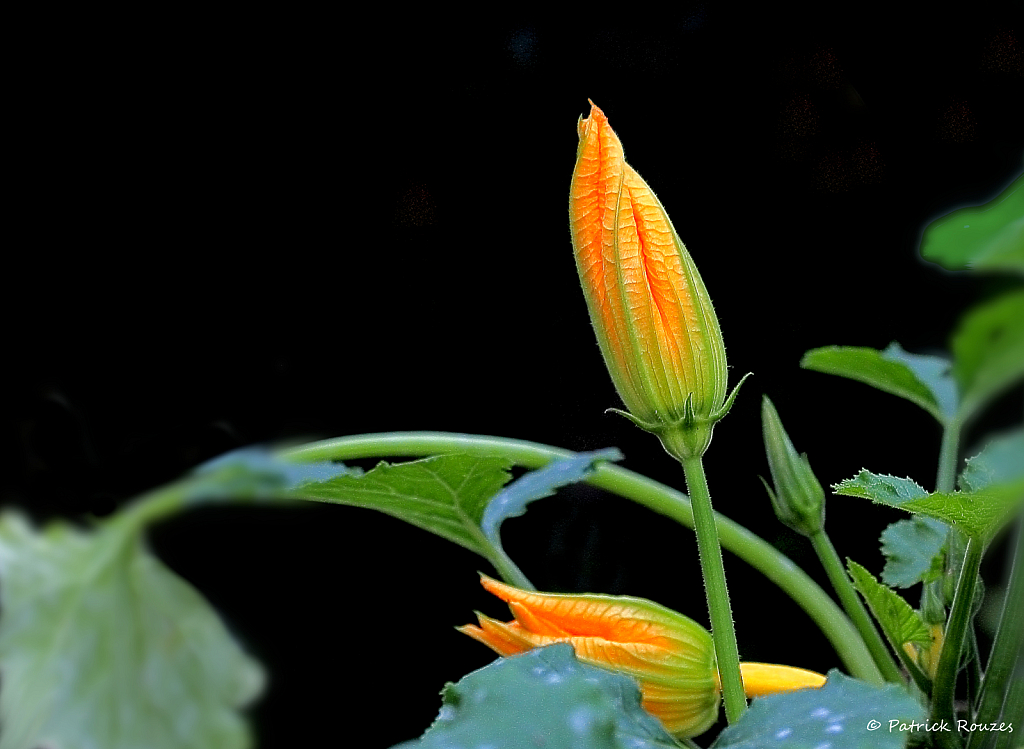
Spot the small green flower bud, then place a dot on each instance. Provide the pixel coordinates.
(798, 499)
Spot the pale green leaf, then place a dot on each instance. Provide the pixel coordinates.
(988, 349)
(888, 371)
(913, 551)
(900, 623)
(843, 714)
(444, 494)
(103, 647)
(1000, 462)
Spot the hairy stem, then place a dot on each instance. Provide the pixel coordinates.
(723, 630)
(854, 607)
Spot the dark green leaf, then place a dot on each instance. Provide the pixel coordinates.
(843, 714)
(913, 551)
(979, 514)
(900, 623)
(988, 349)
(103, 646)
(445, 494)
(985, 237)
(543, 698)
(888, 371)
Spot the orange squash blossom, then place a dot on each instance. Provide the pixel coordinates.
(654, 321)
(671, 656)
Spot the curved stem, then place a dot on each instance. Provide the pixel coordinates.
(854, 607)
(749, 547)
(723, 630)
(956, 631)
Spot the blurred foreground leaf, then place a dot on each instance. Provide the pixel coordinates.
(984, 237)
(841, 715)
(543, 698)
(102, 646)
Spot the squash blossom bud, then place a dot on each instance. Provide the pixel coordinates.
(653, 317)
(798, 499)
(671, 657)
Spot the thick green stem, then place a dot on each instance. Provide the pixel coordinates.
(854, 607)
(948, 453)
(723, 631)
(1006, 645)
(749, 547)
(956, 631)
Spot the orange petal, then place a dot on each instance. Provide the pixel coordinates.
(619, 619)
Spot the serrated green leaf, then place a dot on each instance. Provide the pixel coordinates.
(543, 698)
(102, 646)
(988, 350)
(980, 514)
(913, 551)
(900, 623)
(511, 501)
(985, 237)
(888, 371)
(444, 494)
(840, 715)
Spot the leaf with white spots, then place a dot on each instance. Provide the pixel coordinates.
(840, 715)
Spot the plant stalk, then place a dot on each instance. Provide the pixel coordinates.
(855, 607)
(956, 630)
(723, 630)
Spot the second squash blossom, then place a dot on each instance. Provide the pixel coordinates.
(671, 657)
(652, 314)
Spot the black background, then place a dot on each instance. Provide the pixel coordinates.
(252, 228)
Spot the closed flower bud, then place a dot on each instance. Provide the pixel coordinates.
(652, 314)
(798, 499)
(671, 657)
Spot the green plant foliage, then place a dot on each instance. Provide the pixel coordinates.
(543, 698)
(841, 715)
(1001, 462)
(444, 494)
(255, 473)
(988, 350)
(979, 514)
(920, 379)
(511, 501)
(900, 623)
(984, 237)
(913, 551)
(102, 646)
